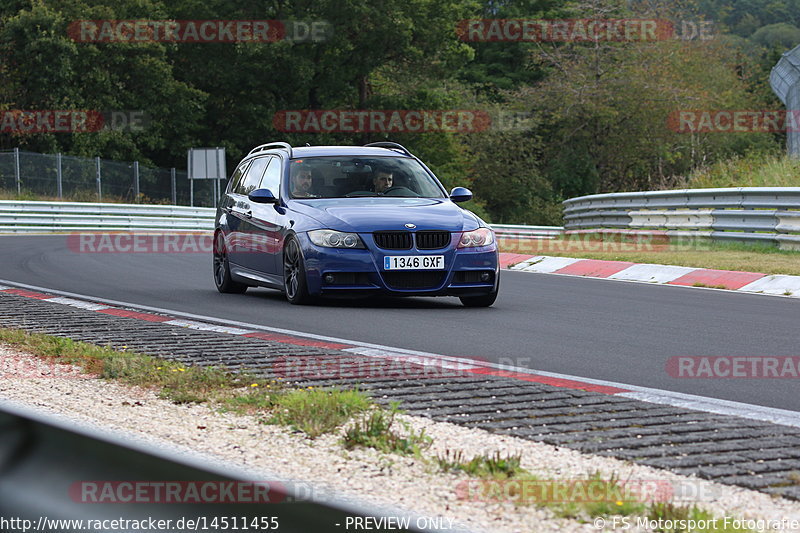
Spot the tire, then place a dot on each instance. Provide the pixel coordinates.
(481, 301)
(294, 274)
(222, 269)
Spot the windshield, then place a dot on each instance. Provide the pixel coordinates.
(353, 176)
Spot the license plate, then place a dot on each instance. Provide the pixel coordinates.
(413, 262)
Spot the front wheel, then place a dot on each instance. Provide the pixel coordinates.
(222, 269)
(481, 301)
(294, 274)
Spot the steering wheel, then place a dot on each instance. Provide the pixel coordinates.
(403, 191)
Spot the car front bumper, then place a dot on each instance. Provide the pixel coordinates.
(360, 271)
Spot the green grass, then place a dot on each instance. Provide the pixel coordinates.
(316, 412)
(311, 411)
(482, 466)
(758, 170)
(174, 381)
(676, 514)
(617, 499)
(376, 431)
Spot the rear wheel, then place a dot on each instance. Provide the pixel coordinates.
(222, 269)
(294, 274)
(481, 301)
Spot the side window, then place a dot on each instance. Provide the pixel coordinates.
(237, 177)
(253, 176)
(272, 177)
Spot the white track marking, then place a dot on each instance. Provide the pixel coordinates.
(77, 303)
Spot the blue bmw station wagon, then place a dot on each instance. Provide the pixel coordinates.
(327, 221)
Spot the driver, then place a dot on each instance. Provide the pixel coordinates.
(383, 180)
(301, 181)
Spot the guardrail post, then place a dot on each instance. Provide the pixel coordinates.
(58, 177)
(16, 171)
(174, 190)
(97, 177)
(136, 181)
(189, 174)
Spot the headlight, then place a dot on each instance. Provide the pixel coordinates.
(335, 239)
(478, 237)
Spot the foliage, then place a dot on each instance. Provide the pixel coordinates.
(757, 170)
(317, 411)
(596, 113)
(482, 466)
(376, 431)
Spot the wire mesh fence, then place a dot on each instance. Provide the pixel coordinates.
(33, 175)
(7, 179)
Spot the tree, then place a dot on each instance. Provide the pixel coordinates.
(606, 107)
(46, 70)
(781, 35)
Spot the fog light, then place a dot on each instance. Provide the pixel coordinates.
(485, 276)
(329, 278)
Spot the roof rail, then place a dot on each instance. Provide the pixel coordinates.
(391, 146)
(267, 146)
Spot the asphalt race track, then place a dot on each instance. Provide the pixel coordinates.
(616, 331)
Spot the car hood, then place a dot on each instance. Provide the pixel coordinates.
(386, 214)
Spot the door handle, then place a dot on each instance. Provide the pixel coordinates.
(246, 214)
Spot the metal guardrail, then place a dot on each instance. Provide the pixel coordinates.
(506, 231)
(46, 464)
(26, 217)
(768, 215)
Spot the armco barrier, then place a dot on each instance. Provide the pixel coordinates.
(750, 214)
(27, 217)
(46, 465)
(506, 231)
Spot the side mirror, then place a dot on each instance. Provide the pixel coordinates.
(460, 194)
(262, 196)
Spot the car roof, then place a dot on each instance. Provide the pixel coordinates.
(322, 151)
